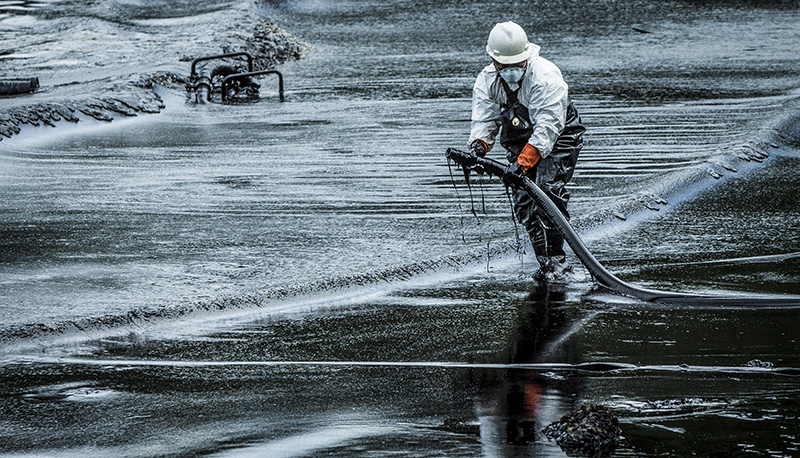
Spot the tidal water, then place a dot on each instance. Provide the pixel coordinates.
(307, 278)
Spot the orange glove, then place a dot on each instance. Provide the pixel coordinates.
(528, 157)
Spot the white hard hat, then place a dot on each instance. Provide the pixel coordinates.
(508, 43)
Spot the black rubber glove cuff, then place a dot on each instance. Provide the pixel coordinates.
(478, 148)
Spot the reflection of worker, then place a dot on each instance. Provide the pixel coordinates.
(517, 403)
(524, 97)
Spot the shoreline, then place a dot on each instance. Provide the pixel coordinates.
(269, 44)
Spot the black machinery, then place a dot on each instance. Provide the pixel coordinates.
(226, 83)
(17, 86)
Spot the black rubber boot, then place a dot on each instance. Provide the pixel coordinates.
(540, 249)
(548, 245)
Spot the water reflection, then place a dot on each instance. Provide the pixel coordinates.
(514, 406)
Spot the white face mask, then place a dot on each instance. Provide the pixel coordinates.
(512, 75)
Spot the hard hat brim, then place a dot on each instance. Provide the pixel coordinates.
(530, 50)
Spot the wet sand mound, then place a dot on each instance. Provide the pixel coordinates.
(269, 44)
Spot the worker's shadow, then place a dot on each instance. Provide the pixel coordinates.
(514, 402)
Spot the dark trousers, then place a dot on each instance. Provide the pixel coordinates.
(551, 174)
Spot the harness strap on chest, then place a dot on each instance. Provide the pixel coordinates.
(511, 96)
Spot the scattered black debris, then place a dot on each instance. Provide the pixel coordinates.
(590, 431)
(672, 404)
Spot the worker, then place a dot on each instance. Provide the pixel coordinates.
(523, 96)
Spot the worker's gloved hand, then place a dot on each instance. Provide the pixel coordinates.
(513, 174)
(478, 147)
(468, 160)
(529, 157)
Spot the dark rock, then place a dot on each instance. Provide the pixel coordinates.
(270, 46)
(590, 431)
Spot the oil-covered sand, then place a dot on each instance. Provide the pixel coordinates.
(302, 279)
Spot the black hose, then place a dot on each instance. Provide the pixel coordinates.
(603, 276)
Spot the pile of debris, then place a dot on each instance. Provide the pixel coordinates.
(590, 431)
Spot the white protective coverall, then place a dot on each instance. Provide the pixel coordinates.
(557, 134)
(543, 91)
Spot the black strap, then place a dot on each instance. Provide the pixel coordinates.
(511, 96)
